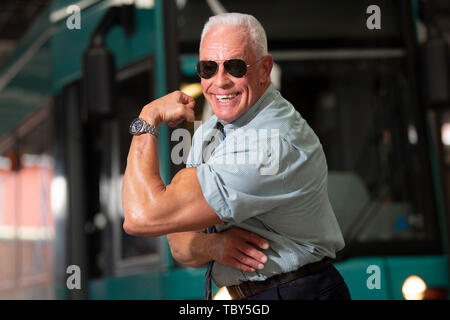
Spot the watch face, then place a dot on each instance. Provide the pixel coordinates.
(136, 126)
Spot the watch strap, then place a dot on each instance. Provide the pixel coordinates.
(149, 128)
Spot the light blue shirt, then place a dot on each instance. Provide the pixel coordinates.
(268, 176)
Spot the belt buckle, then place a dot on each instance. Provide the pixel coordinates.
(236, 291)
(240, 293)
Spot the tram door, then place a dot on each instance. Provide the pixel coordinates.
(119, 253)
(379, 185)
(93, 152)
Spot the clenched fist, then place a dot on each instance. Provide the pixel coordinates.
(173, 108)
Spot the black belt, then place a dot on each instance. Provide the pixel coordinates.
(250, 288)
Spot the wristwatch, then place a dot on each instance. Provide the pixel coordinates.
(139, 126)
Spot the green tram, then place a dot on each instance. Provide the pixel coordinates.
(71, 88)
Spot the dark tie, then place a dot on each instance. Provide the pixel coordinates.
(212, 229)
(220, 127)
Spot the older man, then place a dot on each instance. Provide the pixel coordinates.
(265, 194)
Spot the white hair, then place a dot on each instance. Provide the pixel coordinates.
(258, 39)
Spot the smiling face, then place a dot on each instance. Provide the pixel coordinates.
(231, 97)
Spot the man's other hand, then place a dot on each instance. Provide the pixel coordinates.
(240, 249)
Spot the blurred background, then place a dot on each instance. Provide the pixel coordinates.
(73, 74)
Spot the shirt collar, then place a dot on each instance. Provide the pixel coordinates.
(253, 110)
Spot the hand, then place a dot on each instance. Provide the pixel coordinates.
(240, 249)
(172, 108)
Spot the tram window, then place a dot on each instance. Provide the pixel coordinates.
(299, 17)
(134, 94)
(8, 193)
(361, 113)
(34, 216)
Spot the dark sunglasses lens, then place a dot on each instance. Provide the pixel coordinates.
(206, 69)
(236, 67)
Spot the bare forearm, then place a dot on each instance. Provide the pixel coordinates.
(142, 183)
(143, 167)
(191, 248)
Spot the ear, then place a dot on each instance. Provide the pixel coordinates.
(266, 68)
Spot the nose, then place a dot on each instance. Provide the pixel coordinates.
(222, 78)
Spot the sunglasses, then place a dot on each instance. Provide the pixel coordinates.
(235, 67)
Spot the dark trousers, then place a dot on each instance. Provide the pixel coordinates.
(325, 285)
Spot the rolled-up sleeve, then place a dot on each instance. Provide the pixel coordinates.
(215, 191)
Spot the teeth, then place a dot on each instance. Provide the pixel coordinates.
(226, 97)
